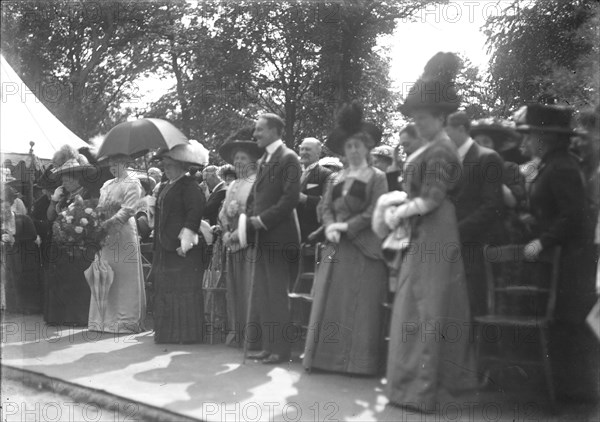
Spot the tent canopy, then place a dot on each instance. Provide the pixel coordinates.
(25, 119)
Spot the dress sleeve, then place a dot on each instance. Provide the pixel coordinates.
(439, 172)
(130, 201)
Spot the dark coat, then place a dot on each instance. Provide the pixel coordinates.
(274, 197)
(213, 204)
(182, 207)
(557, 201)
(479, 204)
(313, 187)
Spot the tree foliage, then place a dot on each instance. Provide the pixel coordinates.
(80, 59)
(546, 50)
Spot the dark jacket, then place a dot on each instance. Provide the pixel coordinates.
(313, 187)
(479, 204)
(213, 204)
(274, 197)
(182, 206)
(557, 199)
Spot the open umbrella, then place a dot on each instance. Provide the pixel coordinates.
(138, 136)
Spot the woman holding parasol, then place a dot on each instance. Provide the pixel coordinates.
(120, 306)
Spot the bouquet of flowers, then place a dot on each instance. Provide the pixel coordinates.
(80, 225)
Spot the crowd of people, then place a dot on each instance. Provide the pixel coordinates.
(448, 188)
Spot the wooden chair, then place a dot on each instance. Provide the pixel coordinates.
(301, 295)
(536, 281)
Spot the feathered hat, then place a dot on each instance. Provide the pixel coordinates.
(350, 122)
(436, 89)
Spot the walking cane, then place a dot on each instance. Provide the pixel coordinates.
(249, 310)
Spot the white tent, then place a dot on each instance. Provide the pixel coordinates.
(25, 119)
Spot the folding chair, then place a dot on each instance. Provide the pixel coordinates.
(536, 281)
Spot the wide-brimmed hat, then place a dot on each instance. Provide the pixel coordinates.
(383, 151)
(436, 89)
(349, 123)
(544, 118)
(500, 131)
(241, 140)
(74, 168)
(48, 180)
(332, 163)
(228, 149)
(192, 153)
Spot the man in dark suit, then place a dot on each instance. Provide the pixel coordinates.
(271, 206)
(217, 189)
(479, 205)
(312, 186)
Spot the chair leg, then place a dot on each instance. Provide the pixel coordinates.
(547, 363)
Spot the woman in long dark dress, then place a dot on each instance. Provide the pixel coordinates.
(429, 351)
(351, 286)
(557, 203)
(179, 258)
(67, 299)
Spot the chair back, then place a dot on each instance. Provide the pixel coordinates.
(522, 284)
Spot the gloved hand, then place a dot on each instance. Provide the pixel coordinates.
(187, 240)
(58, 194)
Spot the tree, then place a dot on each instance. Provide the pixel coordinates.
(537, 49)
(79, 58)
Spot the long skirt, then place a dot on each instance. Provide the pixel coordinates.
(125, 302)
(67, 292)
(352, 291)
(430, 348)
(178, 299)
(23, 282)
(239, 269)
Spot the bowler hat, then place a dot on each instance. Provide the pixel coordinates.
(544, 118)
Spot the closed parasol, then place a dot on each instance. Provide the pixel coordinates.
(100, 277)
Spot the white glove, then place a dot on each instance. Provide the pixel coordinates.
(58, 194)
(532, 250)
(187, 239)
(332, 233)
(392, 198)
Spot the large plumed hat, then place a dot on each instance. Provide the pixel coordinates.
(435, 90)
(544, 118)
(350, 122)
(243, 140)
(73, 168)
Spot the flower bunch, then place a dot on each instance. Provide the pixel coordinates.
(80, 225)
